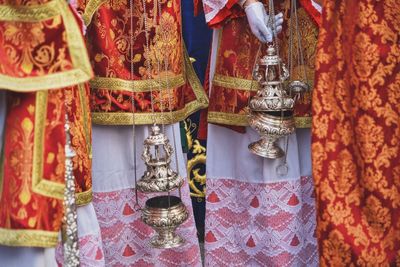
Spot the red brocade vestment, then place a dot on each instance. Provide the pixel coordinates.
(232, 83)
(118, 72)
(356, 133)
(43, 63)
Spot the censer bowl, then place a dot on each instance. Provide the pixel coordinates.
(270, 127)
(164, 216)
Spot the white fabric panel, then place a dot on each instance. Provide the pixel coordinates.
(213, 56)
(228, 156)
(113, 163)
(87, 221)
(27, 257)
(2, 115)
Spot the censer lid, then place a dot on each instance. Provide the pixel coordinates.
(156, 137)
(271, 58)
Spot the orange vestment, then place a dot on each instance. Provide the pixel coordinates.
(43, 64)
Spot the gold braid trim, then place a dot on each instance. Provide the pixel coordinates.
(82, 71)
(138, 86)
(235, 83)
(39, 184)
(84, 198)
(126, 118)
(90, 9)
(241, 119)
(28, 238)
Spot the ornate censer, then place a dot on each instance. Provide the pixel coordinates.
(159, 177)
(163, 213)
(271, 109)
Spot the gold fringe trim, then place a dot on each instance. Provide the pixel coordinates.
(28, 238)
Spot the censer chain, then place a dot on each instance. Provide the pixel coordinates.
(137, 206)
(166, 66)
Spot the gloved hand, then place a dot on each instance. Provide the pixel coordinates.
(258, 19)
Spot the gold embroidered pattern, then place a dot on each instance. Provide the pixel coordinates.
(81, 71)
(235, 83)
(241, 119)
(136, 86)
(28, 238)
(126, 118)
(90, 9)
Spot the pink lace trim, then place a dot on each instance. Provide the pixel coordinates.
(90, 249)
(260, 224)
(126, 238)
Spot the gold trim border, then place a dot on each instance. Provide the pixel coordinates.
(76, 46)
(39, 184)
(235, 83)
(126, 118)
(29, 13)
(28, 238)
(138, 86)
(241, 119)
(84, 198)
(90, 9)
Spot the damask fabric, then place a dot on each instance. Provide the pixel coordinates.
(43, 65)
(125, 238)
(156, 67)
(356, 133)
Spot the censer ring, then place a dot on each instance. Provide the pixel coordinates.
(164, 214)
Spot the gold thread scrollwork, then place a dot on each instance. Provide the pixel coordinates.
(81, 71)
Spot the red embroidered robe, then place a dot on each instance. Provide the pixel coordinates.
(43, 63)
(121, 69)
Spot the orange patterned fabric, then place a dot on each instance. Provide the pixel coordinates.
(32, 166)
(41, 51)
(41, 46)
(237, 52)
(172, 84)
(356, 133)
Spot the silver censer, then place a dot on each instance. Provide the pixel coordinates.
(163, 213)
(271, 109)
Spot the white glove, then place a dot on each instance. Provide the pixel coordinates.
(258, 19)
